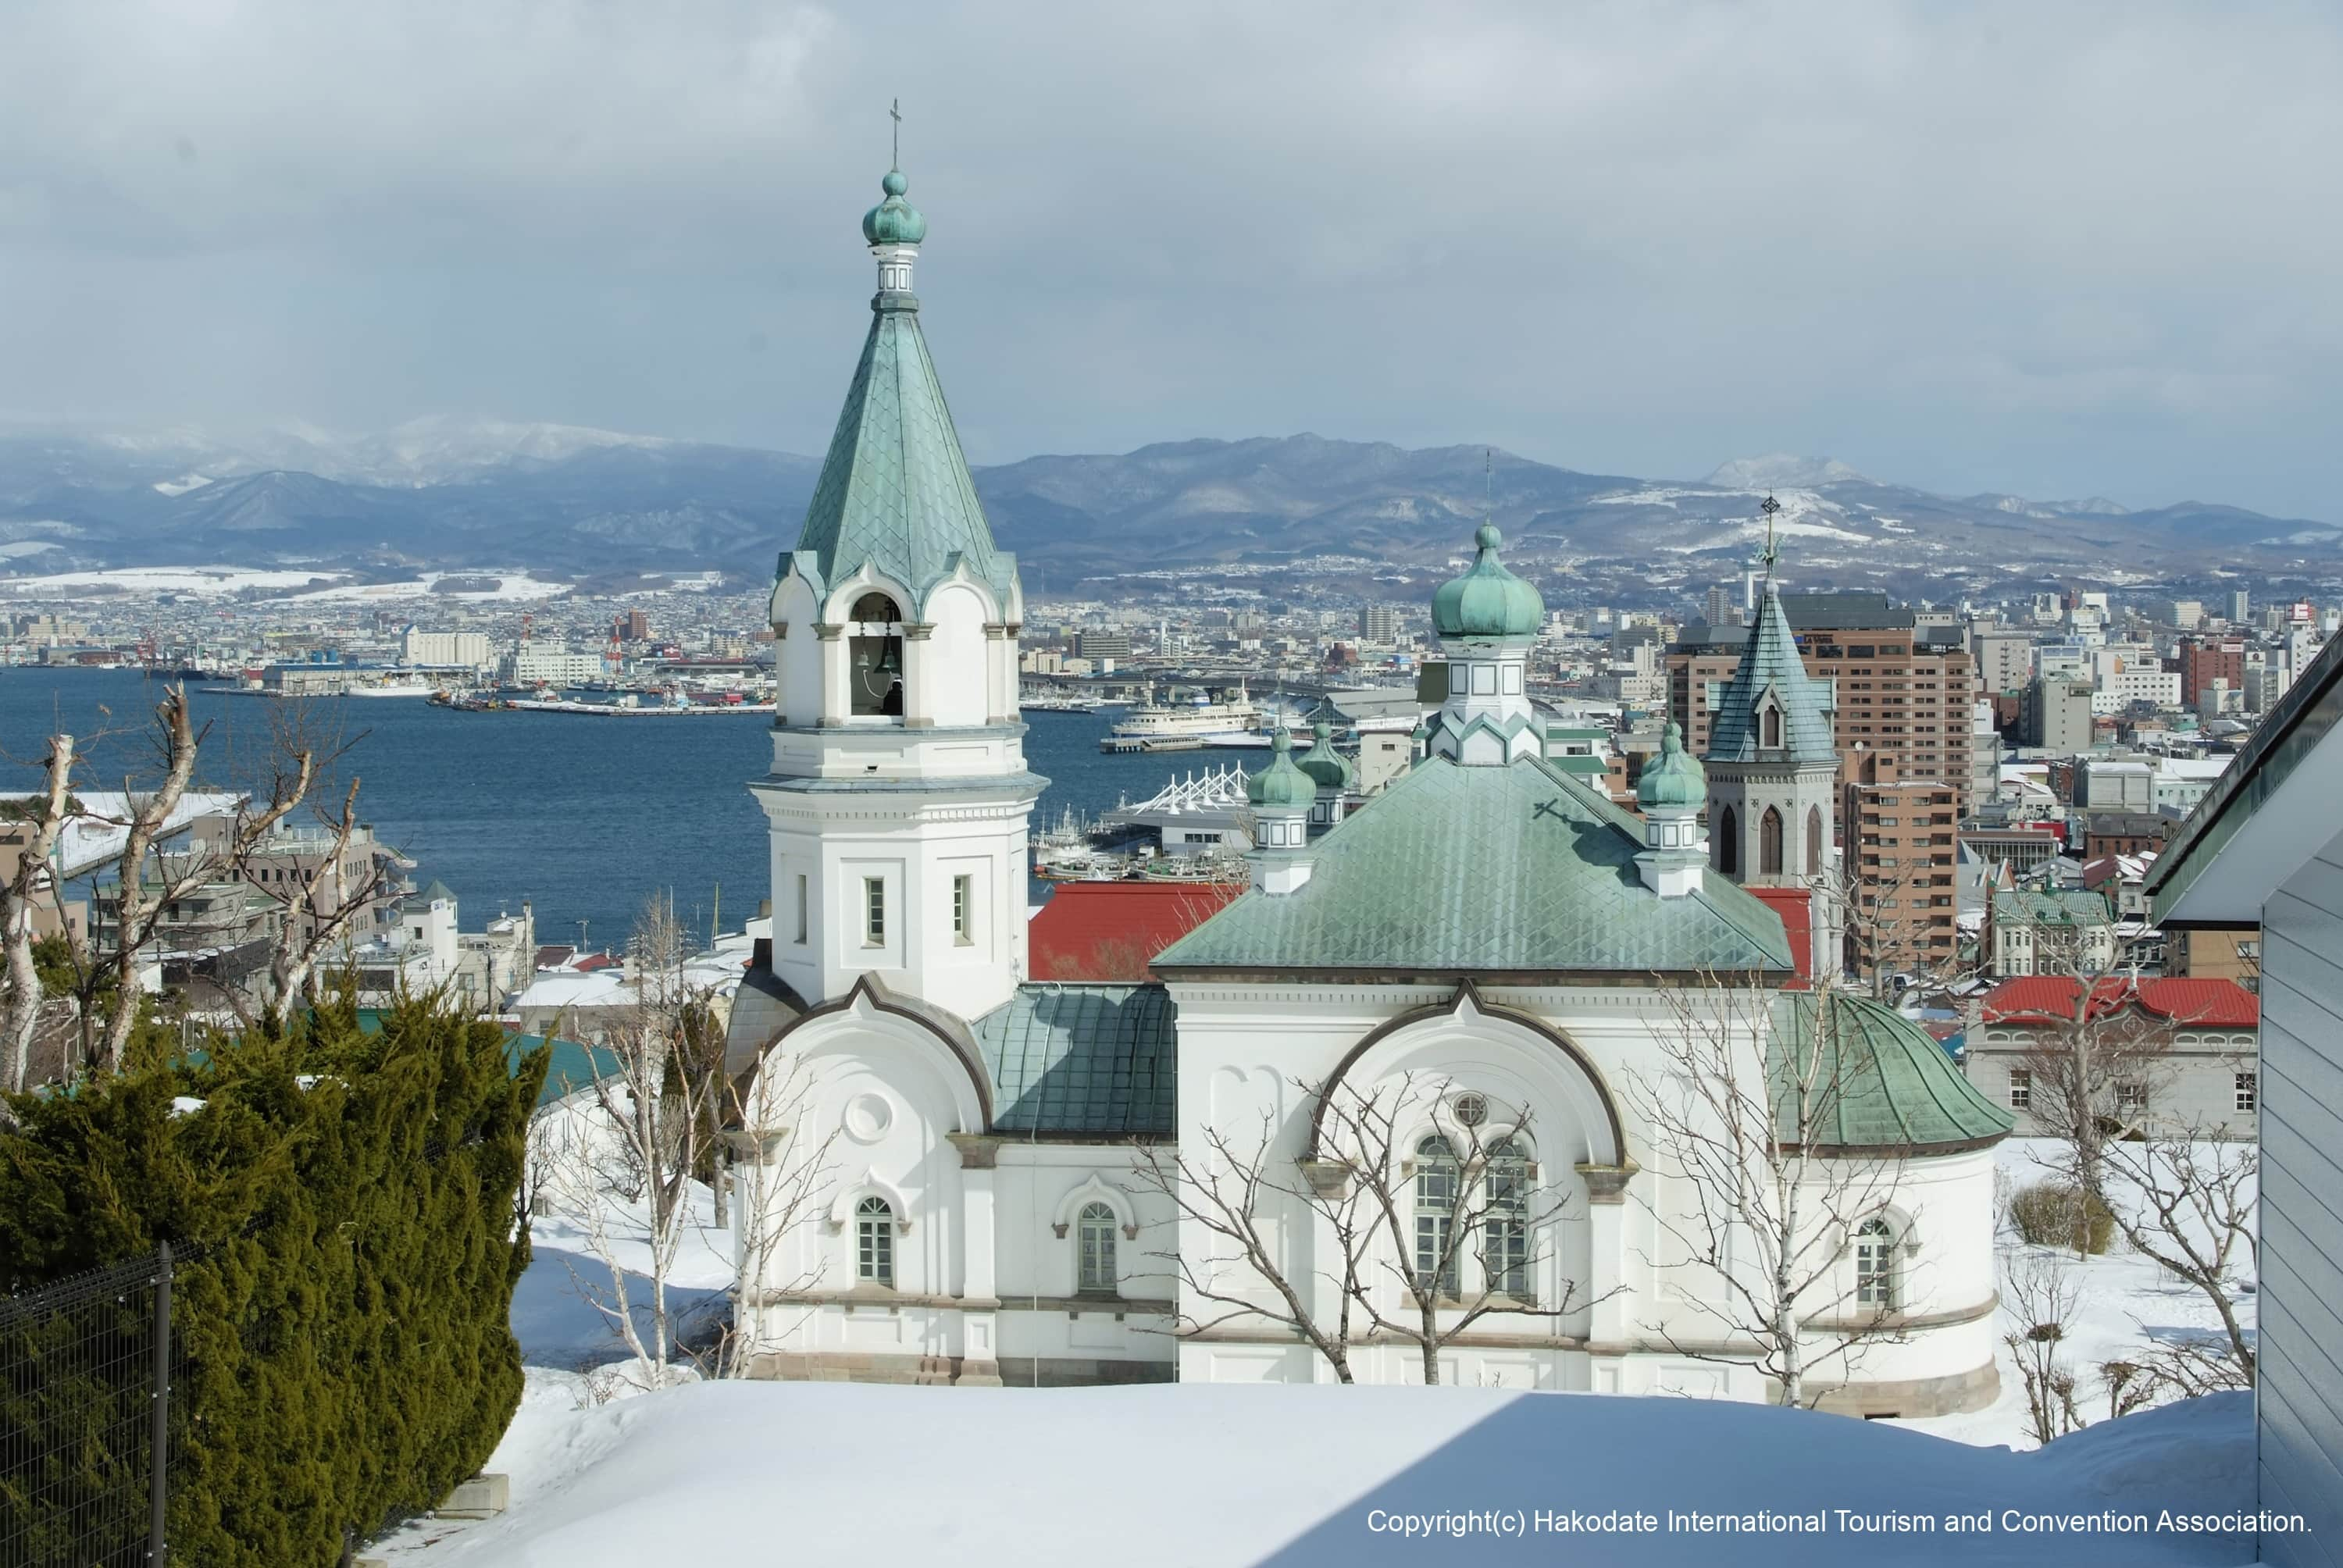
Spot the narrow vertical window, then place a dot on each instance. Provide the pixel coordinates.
(874, 1241)
(1506, 1234)
(963, 915)
(1436, 1177)
(2021, 1088)
(801, 907)
(1875, 1266)
(1728, 842)
(2249, 1091)
(1095, 1238)
(1769, 843)
(1773, 727)
(874, 912)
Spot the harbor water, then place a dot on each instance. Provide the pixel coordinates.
(586, 817)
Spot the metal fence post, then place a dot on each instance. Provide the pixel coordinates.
(158, 1454)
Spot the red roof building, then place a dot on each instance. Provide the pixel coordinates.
(2050, 1000)
(1112, 931)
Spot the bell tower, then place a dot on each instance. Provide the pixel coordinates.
(899, 795)
(1772, 770)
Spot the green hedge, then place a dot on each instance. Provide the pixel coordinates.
(347, 1198)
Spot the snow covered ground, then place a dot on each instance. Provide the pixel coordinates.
(604, 1474)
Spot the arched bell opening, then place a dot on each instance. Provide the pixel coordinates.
(874, 642)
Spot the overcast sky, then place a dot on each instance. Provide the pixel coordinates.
(2059, 249)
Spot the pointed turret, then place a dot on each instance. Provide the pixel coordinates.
(895, 495)
(899, 794)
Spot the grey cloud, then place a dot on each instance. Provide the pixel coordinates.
(2065, 249)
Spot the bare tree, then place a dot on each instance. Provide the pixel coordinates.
(1234, 1194)
(2186, 1199)
(141, 902)
(42, 821)
(1469, 1192)
(1403, 1222)
(780, 1171)
(1743, 1115)
(2039, 1298)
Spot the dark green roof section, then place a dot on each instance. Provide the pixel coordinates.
(1076, 1060)
(895, 489)
(572, 1067)
(2070, 906)
(2311, 708)
(1508, 869)
(1770, 663)
(1882, 1083)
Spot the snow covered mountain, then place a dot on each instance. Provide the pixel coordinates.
(456, 493)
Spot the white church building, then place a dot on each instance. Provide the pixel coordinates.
(945, 1167)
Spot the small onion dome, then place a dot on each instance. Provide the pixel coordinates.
(894, 221)
(1487, 600)
(1281, 786)
(1329, 767)
(1673, 777)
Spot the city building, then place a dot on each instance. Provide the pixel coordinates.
(542, 664)
(2204, 661)
(2031, 932)
(2004, 656)
(1379, 624)
(2057, 714)
(1903, 862)
(444, 649)
(1097, 645)
(2191, 1042)
(1477, 945)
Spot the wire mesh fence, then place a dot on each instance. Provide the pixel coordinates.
(87, 1367)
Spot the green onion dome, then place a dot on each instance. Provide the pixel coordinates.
(1487, 600)
(894, 221)
(1327, 767)
(1673, 777)
(1281, 787)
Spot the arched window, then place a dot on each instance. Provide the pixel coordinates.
(1728, 842)
(1875, 1265)
(1814, 841)
(1769, 843)
(1771, 723)
(1505, 1233)
(1436, 1181)
(874, 1241)
(1094, 1236)
(874, 654)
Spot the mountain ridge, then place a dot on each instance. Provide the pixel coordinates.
(452, 493)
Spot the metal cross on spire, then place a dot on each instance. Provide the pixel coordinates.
(1769, 506)
(1488, 483)
(895, 113)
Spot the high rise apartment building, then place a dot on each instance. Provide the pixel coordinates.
(2206, 659)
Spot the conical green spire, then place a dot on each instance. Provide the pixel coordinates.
(895, 489)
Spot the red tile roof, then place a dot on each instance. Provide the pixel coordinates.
(2050, 998)
(1112, 931)
(1795, 905)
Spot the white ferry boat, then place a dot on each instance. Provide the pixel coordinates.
(1200, 718)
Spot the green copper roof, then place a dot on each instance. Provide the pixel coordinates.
(894, 221)
(894, 490)
(1495, 869)
(1488, 600)
(1327, 768)
(1282, 785)
(1082, 1059)
(1675, 776)
(2071, 906)
(1881, 1081)
(1770, 666)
